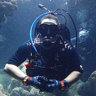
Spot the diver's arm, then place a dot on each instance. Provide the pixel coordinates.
(14, 71)
(73, 77)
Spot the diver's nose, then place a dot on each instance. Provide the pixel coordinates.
(48, 32)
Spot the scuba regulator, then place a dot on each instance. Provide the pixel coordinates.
(55, 13)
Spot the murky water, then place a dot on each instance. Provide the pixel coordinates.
(16, 20)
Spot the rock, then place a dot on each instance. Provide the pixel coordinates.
(6, 9)
(89, 87)
(4, 79)
(16, 88)
(73, 90)
(2, 94)
(1, 88)
(22, 67)
(18, 91)
(14, 83)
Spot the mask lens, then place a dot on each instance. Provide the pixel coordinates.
(48, 30)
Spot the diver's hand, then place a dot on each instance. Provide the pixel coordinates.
(33, 81)
(55, 84)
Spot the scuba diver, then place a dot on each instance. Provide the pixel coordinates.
(51, 60)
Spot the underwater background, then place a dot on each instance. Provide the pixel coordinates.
(16, 17)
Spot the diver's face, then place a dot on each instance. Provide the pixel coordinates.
(48, 28)
(48, 31)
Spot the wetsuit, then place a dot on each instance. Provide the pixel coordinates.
(56, 64)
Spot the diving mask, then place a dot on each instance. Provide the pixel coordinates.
(47, 35)
(48, 30)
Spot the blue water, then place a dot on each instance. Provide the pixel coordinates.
(15, 31)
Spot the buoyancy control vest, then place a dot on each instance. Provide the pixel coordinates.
(50, 64)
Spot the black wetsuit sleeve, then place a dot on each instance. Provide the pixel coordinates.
(20, 56)
(75, 62)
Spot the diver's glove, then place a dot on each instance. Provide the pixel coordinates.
(55, 84)
(33, 81)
